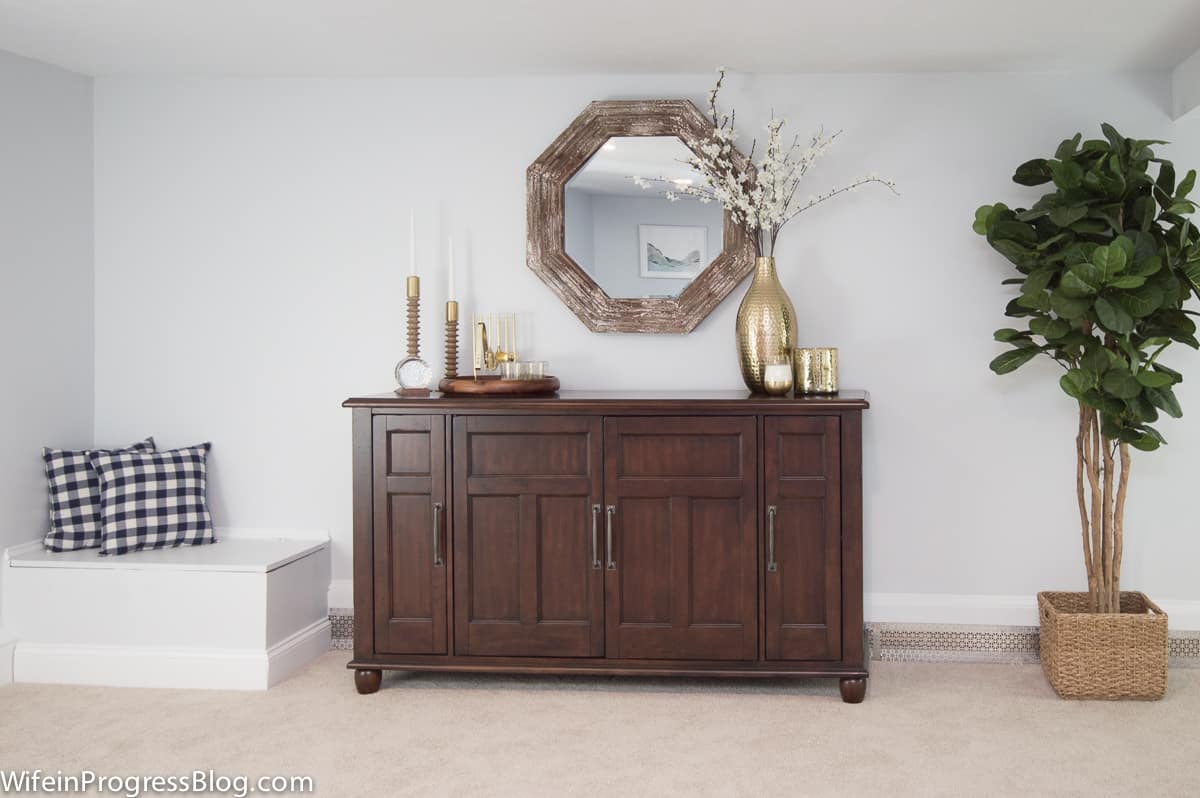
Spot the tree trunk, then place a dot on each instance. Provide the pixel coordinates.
(1100, 491)
(1119, 527)
(1083, 442)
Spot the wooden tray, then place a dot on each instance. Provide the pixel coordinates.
(491, 385)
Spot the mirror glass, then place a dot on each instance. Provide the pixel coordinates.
(627, 224)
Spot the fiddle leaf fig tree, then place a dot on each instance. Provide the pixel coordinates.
(1106, 261)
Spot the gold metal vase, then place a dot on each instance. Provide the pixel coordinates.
(766, 325)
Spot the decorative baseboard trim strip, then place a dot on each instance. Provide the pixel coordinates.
(343, 629)
(1012, 645)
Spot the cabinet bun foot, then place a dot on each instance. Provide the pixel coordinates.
(853, 690)
(367, 681)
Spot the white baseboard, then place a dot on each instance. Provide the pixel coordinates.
(290, 655)
(7, 646)
(341, 594)
(127, 666)
(985, 610)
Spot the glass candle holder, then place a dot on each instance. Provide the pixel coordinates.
(817, 370)
(778, 379)
(523, 369)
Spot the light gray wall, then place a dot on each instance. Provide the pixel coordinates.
(46, 302)
(617, 258)
(265, 220)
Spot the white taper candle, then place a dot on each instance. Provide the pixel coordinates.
(412, 242)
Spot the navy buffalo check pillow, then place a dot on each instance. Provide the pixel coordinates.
(75, 497)
(149, 500)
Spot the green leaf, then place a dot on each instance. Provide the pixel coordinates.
(1145, 443)
(1068, 147)
(1076, 383)
(1033, 173)
(1191, 271)
(1142, 409)
(1181, 208)
(1120, 383)
(1012, 360)
(1129, 349)
(1066, 174)
(1090, 227)
(1050, 328)
(1115, 139)
(1144, 211)
(1128, 281)
(1039, 300)
(1072, 308)
(1114, 318)
(1067, 216)
(1186, 185)
(1166, 177)
(1038, 279)
(1112, 214)
(1164, 399)
(1109, 260)
(1014, 309)
(1142, 302)
(982, 214)
(1105, 404)
(1080, 281)
(1006, 334)
(1147, 267)
(1017, 254)
(1154, 379)
(1097, 360)
(1013, 230)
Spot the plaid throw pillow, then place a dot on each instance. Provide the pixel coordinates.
(149, 500)
(75, 497)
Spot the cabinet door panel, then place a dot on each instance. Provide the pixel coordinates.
(495, 547)
(803, 485)
(410, 582)
(526, 583)
(684, 538)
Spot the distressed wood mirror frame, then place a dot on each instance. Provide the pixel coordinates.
(546, 180)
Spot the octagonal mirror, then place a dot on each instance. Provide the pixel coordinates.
(613, 231)
(629, 223)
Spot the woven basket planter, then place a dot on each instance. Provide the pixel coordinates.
(1103, 655)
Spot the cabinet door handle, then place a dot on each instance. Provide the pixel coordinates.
(609, 512)
(437, 538)
(771, 566)
(595, 525)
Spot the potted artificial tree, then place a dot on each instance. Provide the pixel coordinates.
(1107, 261)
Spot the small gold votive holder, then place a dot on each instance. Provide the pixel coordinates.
(816, 369)
(778, 379)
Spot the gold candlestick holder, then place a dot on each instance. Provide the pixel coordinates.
(413, 373)
(451, 338)
(413, 290)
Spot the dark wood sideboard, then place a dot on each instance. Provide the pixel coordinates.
(691, 534)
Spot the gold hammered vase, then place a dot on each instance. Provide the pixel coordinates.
(766, 325)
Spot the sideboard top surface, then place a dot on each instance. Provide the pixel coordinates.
(724, 401)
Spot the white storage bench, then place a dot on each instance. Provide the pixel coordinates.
(240, 614)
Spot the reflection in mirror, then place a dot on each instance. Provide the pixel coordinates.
(627, 226)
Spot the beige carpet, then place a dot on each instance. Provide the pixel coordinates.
(924, 730)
